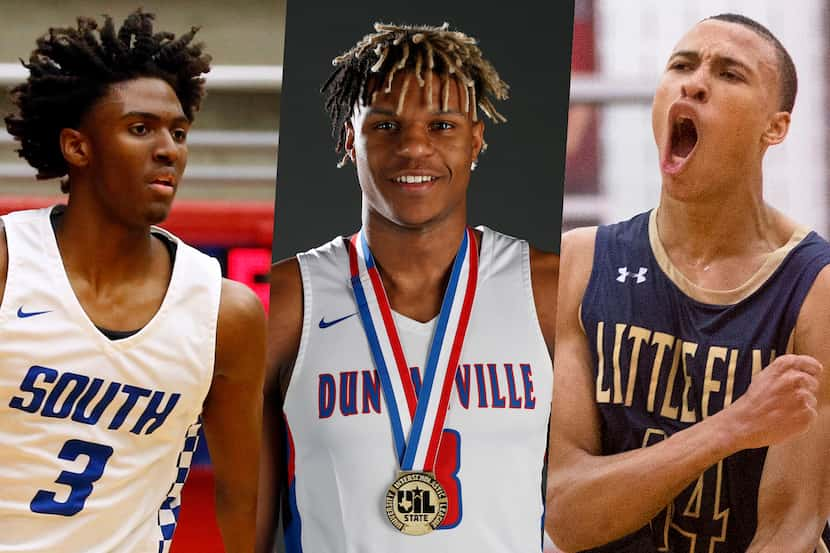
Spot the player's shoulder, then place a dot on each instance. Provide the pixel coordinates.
(326, 261)
(238, 302)
(544, 264)
(578, 247)
(286, 281)
(241, 323)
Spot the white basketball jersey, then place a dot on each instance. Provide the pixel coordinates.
(342, 458)
(97, 434)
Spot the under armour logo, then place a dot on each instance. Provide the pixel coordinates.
(624, 274)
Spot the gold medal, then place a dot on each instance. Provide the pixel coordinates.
(416, 503)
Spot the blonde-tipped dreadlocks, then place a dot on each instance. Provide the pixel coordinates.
(430, 52)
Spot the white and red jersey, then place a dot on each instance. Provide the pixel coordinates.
(97, 433)
(342, 457)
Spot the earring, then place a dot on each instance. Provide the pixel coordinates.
(473, 165)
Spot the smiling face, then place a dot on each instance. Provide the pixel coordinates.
(414, 166)
(716, 109)
(134, 151)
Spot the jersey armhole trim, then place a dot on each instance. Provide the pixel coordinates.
(527, 277)
(213, 322)
(305, 279)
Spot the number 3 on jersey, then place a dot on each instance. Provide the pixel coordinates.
(80, 483)
(447, 466)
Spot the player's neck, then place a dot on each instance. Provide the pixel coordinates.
(414, 263)
(724, 226)
(100, 249)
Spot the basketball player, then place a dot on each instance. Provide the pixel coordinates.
(376, 337)
(691, 411)
(118, 339)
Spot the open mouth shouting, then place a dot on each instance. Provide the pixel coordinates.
(681, 141)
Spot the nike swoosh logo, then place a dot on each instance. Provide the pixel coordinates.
(24, 314)
(324, 324)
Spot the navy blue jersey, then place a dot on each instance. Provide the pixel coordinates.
(664, 361)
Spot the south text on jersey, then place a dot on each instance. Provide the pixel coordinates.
(51, 393)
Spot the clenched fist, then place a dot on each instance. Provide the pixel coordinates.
(779, 404)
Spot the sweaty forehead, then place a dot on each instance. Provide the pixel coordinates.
(713, 38)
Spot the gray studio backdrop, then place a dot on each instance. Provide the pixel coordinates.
(517, 188)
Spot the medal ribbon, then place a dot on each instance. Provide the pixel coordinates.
(420, 418)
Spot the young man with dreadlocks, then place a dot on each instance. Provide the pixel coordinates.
(691, 339)
(119, 339)
(413, 357)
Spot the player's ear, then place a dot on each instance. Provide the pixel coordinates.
(349, 143)
(75, 147)
(776, 131)
(478, 138)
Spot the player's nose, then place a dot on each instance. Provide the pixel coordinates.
(166, 149)
(695, 86)
(414, 142)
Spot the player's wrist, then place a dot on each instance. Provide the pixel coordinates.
(729, 432)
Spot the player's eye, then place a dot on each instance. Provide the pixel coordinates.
(386, 126)
(139, 129)
(730, 75)
(679, 66)
(442, 125)
(179, 135)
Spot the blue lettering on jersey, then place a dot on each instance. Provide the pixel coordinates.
(63, 395)
(371, 391)
(358, 392)
(327, 391)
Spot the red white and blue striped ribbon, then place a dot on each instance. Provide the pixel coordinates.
(417, 421)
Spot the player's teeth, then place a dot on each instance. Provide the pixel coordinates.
(413, 179)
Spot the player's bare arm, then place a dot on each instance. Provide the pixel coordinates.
(544, 277)
(284, 331)
(586, 486)
(794, 496)
(233, 413)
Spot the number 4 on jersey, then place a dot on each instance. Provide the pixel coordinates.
(80, 483)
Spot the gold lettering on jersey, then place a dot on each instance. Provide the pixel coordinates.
(603, 395)
(660, 373)
(693, 506)
(730, 378)
(669, 410)
(710, 385)
(639, 335)
(664, 341)
(757, 361)
(618, 337)
(704, 502)
(687, 414)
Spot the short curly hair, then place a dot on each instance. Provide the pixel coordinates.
(72, 68)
